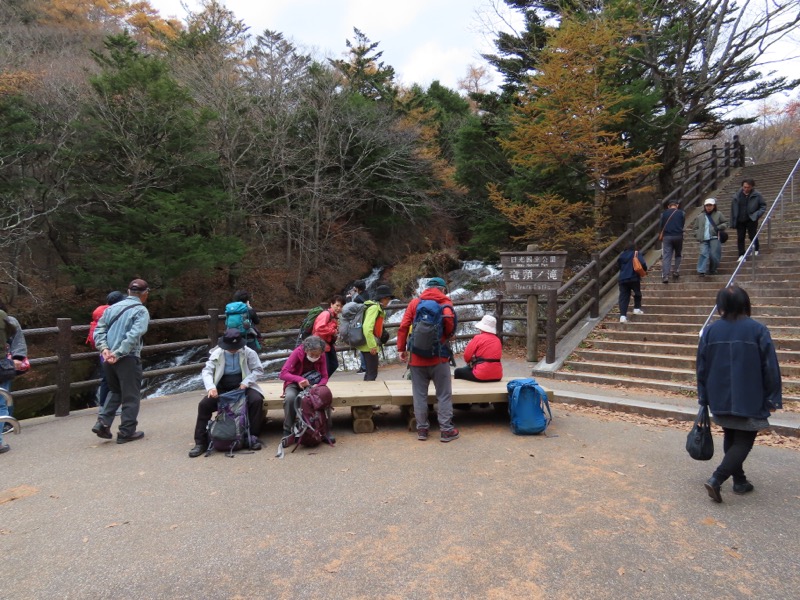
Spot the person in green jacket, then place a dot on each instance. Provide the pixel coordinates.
(373, 330)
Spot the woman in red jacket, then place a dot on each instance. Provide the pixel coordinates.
(483, 354)
(326, 326)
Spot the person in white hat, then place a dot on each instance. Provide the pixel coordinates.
(483, 354)
(709, 226)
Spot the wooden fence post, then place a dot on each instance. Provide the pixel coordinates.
(63, 352)
(594, 311)
(499, 316)
(714, 167)
(552, 311)
(213, 326)
(727, 154)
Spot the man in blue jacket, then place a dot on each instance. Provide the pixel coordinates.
(118, 337)
(630, 281)
(673, 221)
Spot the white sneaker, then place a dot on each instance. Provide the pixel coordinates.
(623, 319)
(741, 259)
(638, 311)
(756, 252)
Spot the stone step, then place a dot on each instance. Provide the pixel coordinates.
(611, 347)
(641, 324)
(670, 337)
(761, 310)
(660, 360)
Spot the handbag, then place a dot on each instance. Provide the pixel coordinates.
(699, 443)
(637, 265)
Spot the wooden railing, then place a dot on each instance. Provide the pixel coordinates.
(66, 339)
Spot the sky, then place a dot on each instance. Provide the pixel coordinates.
(424, 40)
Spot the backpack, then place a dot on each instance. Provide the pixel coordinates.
(307, 326)
(527, 402)
(428, 328)
(351, 323)
(229, 430)
(237, 316)
(310, 426)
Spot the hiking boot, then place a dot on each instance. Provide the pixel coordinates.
(124, 439)
(701, 274)
(102, 431)
(676, 275)
(665, 280)
(196, 451)
(712, 487)
(638, 311)
(743, 488)
(422, 434)
(256, 445)
(4, 448)
(449, 436)
(623, 319)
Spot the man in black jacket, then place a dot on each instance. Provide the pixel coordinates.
(747, 207)
(673, 221)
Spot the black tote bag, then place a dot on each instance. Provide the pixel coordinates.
(699, 443)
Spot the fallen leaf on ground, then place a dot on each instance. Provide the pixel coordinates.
(333, 566)
(733, 553)
(621, 570)
(17, 493)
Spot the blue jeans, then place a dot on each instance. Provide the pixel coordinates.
(710, 255)
(4, 412)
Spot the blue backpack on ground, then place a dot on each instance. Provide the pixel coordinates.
(237, 316)
(427, 330)
(527, 403)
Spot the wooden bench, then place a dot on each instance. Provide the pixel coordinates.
(362, 396)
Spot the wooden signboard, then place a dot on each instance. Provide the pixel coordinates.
(531, 273)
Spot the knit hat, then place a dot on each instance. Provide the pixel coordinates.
(488, 324)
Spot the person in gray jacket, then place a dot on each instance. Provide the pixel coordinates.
(118, 337)
(707, 229)
(747, 207)
(231, 365)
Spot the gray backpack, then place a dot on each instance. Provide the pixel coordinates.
(351, 324)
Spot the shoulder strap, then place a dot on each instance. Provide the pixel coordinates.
(118, 315)
(668, 220)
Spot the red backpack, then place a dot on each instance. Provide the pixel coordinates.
(310, 427)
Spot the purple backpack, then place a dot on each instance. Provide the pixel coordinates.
(229, 430)
(311, 421)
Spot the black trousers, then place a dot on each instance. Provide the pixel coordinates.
(737, 445)
(749, 227)
(208, 406)
(625, 289)
(371, 362)
(464, 373)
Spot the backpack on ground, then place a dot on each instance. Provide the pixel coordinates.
(527, 403)
(229, 430)
(307, 326)
(310, 426)
(351, 323)
(237, 316)
(428, 328)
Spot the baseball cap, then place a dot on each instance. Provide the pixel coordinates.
(435, 282)
(138, 285)
(710, 201)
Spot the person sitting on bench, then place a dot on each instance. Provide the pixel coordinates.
(483, 354)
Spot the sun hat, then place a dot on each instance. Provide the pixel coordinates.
(435, 282)
(488, 324)
(231, 340)
(383, 291)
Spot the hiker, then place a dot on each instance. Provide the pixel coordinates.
(250, 332)
(118, 337)
(374, 332)
(747, 207)
(430, 355)
(707, 228)
(739, 379)
(112, 298)
(630, 281)
(483, 354)
(326, 326)
(10, 336)
(15, 346)
(358, 295)
(673, 220)
(302, 369)
(231, 365)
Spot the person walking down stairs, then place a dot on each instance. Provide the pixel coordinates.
(630, 281)
(673, 220)
(709, 226)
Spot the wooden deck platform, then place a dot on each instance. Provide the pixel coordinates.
(362, 396)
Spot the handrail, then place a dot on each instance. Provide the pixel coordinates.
(765, 223)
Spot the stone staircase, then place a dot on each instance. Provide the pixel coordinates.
(657, 350)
